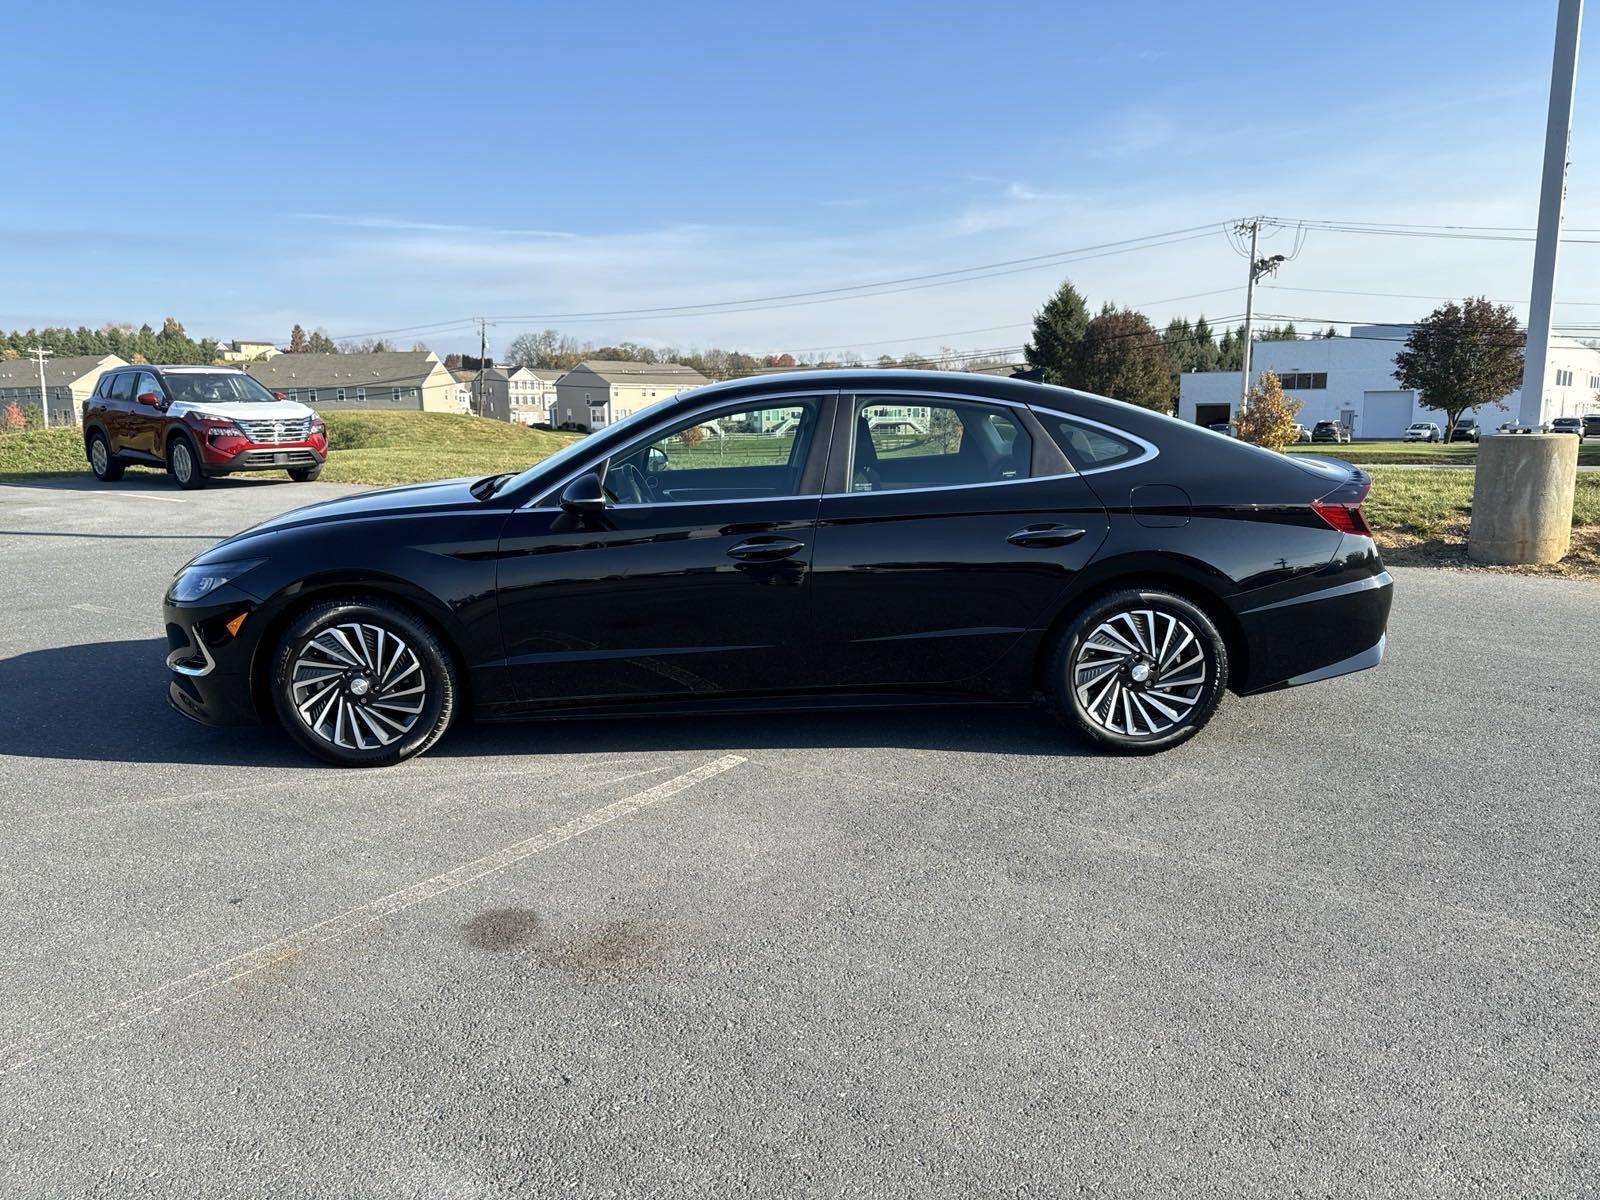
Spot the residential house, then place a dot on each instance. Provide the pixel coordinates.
(598, 392)
(463, 378)
(247, 350)
(68, 382)
(1350, 379)
(491, 394)
(395, 379)
(533, 394)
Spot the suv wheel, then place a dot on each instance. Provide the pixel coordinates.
(183, 463)
(105, 467)
(1138, 671)
(363, 683)
(305, 474)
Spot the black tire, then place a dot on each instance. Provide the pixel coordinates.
(305, 474)
(1170, 717)
(321, 729)
(106, 468)
(183, 463)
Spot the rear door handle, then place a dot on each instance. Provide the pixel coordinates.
(1042, 537)
(769, 550)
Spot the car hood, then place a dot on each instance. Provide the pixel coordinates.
(417, 499)
(248, 410)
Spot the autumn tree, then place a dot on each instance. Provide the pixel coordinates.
(297, 340)
(1268, 416)
(1058, 328)
(1122, 356)
(1461, 356)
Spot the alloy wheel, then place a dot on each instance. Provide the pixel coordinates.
(98, 458)
(358, 686)
(1140, 673)
(182, 462)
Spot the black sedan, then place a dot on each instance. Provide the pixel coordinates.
(831, 538)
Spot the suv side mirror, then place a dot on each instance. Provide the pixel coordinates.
(584, 496)
(150, 398)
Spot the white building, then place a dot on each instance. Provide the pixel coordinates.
(1351, 380)
(245, 350)
(533, 394)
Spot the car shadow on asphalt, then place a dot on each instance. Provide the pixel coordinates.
(106, 702)
(137, 480)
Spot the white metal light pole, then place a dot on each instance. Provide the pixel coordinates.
(40, 354)
(1552, 194)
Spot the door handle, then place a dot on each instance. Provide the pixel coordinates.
(766, 551)
(1041, 537)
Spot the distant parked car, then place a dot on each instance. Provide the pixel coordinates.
(1467, 430)
(1591, 426)
(1301, 433)
(198, 423)
(1519, 427)
(1573, 425)
(1423, 431)
(1225, 428)
(1329, 431)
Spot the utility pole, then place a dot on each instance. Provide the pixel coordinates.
(483, 359)
(1552, 194)
(1259, 267)
(40, 354)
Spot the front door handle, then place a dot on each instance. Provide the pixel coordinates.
(1041, 537)
(768, 550)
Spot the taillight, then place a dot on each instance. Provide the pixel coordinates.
(1341, 508)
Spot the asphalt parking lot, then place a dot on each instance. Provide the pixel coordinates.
(1342, 943)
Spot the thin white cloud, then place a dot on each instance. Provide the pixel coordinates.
(398, 223)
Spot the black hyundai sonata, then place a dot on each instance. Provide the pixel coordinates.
(831, 538)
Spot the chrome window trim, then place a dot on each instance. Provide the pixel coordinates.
(967, 396)
(1147, 449)
(533, 505)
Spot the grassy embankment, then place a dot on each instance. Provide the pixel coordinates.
(1422, 454)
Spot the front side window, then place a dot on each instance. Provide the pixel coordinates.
(745, 453)
(912, 442)
(147, 383)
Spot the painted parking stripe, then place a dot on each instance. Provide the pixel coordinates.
(108, 1020)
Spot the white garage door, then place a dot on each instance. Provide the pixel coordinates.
(1384, 414)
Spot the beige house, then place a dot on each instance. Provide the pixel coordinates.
(247, 350)
(533, 394)
(595, 393)
(396, 379)
(67, 381)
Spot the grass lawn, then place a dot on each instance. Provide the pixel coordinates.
(1420, 453)
(365, 447)
(1427, 503)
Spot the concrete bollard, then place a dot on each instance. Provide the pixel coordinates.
(1522, 498)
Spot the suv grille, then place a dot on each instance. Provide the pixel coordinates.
(276, 432)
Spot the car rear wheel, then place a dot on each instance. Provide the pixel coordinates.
(363, 683)
(106, 468)
(183, 464)
(305, 474)
(1138, 671)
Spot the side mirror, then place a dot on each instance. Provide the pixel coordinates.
(584, 496)
(655, 460)
(150, 398)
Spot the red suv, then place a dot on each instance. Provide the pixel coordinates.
(198, 422)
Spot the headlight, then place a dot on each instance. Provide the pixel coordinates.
(196, 583)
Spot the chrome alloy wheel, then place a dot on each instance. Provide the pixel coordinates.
(182, 462)
(98, 457)
(1140, 673)
(357, 686)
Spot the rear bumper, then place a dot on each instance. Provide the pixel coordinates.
(1331, 631)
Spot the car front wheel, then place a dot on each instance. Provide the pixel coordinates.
(1138, 671)
(183, 462)
(305, 474)
(363, 683)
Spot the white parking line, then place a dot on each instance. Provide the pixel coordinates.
(96, 1025)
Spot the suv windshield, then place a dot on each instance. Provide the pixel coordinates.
(220, 387)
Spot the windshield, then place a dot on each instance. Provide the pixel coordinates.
(548, 470)
(220, 387)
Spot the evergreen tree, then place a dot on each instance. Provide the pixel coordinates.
(1058, 328)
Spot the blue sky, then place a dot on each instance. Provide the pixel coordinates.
(362, 167)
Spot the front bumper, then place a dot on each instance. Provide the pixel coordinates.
(209, 652)
(226, 456)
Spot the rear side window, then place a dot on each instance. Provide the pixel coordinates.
(1089, 447)
(914, 442)
(122, 386)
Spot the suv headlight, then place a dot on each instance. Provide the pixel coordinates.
(196, 583)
